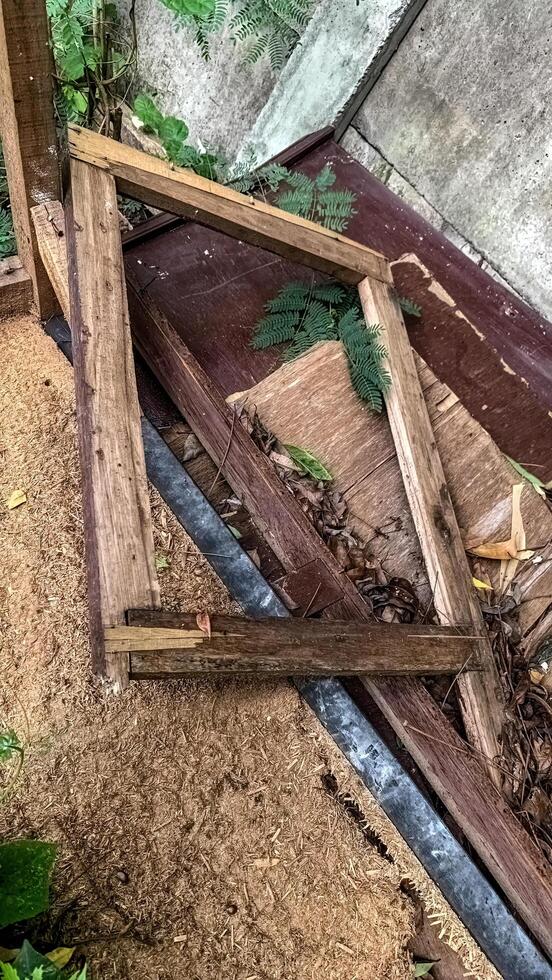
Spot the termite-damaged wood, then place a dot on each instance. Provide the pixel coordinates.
(49, 225)
(155, 182)
(481, 698)
(117, 521)
(28, 129)
(166, 644)
(455, 774)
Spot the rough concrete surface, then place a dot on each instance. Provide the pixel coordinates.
(219, 99)
(463, 112)
(341, 42)
(369, 157)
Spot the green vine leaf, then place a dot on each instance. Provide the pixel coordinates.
(149, 115)
(9, 744)
(309, 463)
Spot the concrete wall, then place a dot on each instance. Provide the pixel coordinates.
(462, 117)
(219, 99)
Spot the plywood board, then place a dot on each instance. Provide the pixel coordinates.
(310, 402)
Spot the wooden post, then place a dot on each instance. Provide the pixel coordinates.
(27, 128)
(434, 518)
(117, 519)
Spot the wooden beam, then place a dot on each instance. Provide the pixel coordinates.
(481, 699)
(16, 288)
(117, 520)
(157, 183)
(49, 225)
(170, 644)
(455, 774)
(27, 127)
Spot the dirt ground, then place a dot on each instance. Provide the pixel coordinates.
(196, 837)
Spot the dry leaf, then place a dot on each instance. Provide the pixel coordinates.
(203, 621)
(539, 806)
(60, 956)
(15, 499)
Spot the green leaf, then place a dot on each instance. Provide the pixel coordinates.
(144, 107)
(30, 963)
(537, 484)
(407, 306)
(423, 969)
(9, 744)
(7, 972)
(325, 179)
(60, 956)
(25, 870)
(190, 8)
(173, 133)
(309, 463)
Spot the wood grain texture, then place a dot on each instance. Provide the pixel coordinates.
(157, 183)
(310, 402)
(27, 127)
(171, 643)
(16, 288)
(49, 225)
(481, 699)
(455, 774)
(118, 533)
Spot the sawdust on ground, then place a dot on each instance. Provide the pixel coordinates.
(196, 838)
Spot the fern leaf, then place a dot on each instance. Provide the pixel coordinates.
(277, 50)
(325, 179)
(275, 329)
(300, 345)
(297, 202)
(300, 181)
(329, 292)
(294, 296)
(407, 306)
(257, 49)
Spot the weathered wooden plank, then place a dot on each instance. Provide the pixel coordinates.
(27, 127)
(456, 776)
(481, 698)
(118, 532)
(172, 644)
(49, 224)
(16, 288)
(183, 192)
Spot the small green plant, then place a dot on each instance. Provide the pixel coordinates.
(315, 198)
(92, 58)
(173, 133)
(31, 965)
(304, 315)
(7, 237)
(264, 27)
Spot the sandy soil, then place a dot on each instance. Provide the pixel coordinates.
(196, 837)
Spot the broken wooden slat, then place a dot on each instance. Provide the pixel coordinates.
(49, 225)
(16, 288)
(27, 126)
(165, 644)
(157, 183)
(118, 532)
(481, 699)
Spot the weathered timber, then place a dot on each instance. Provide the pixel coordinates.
(118, 533)
(456, 775)
(428, 495)
(165, 644)
(49, 225)
(16, 288)
(27, 127)
(157, 183)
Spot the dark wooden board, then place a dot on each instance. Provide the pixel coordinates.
(171, 644)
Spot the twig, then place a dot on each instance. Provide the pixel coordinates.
(455, 678)
(223, 460)
(311, 603)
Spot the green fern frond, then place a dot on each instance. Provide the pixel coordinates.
(294, 296)
(257, 49)
(278, 47)
(325, 179)
(300, 181)
(307, 314)
(297, 202)
(407, 306)
(275, 329)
